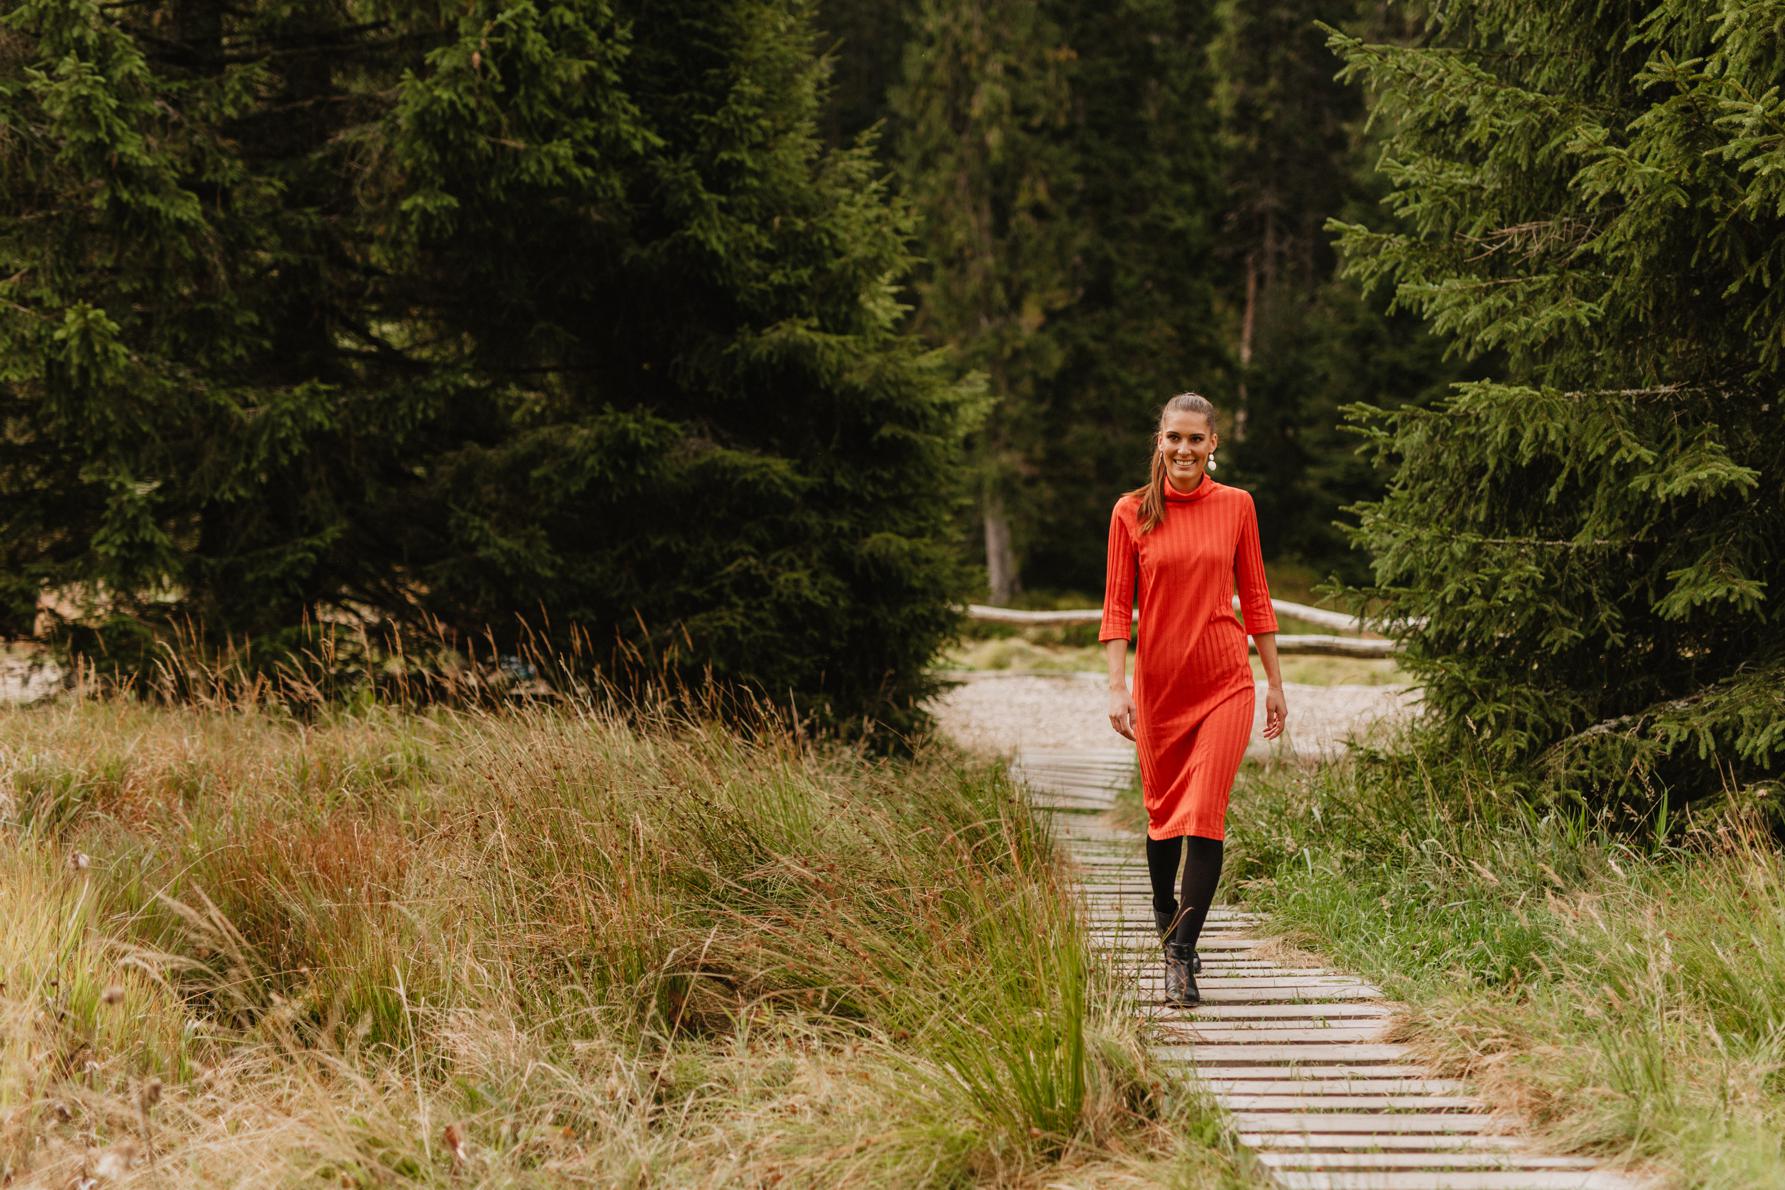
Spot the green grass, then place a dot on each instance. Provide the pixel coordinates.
(1626, 994)
(548, 947)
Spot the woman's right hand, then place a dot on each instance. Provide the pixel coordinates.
(1121, 710)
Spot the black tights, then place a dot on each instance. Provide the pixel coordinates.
(1202, 869)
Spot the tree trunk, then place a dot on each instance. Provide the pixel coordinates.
(1248, 324)
(1000, 558)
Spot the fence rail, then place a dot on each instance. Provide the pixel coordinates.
(1315, 644)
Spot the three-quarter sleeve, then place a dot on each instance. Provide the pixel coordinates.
(1118, 580)
(1248, 567)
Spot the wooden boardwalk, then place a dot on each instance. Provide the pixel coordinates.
(1296, 1056)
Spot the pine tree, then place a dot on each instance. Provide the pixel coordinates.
(1583, 554)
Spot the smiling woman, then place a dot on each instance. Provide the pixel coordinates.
(1185, 539)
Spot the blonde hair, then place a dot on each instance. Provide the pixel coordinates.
(1152, 495)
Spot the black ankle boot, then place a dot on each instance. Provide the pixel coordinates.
(1163, 921)
(1181, 966)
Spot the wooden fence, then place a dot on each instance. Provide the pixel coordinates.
(1316, 644)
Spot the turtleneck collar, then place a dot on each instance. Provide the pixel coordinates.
(1196, 493)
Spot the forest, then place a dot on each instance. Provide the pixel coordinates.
(441, 442)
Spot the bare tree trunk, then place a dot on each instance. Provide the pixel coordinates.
(1261, 279)
(1248, 324)
(1000, 557)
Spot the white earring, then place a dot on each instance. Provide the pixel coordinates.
(1211, 460)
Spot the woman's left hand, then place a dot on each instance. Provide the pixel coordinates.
(1276, 712)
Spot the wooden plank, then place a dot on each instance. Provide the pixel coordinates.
(1336, 1073)
(1288, 995)
(1136, 941)
(1249, 1032)
(1352, 1053)
(1150, 989)
(1205, 948)
(1536, 1179)
(1134, 927)
(1277, 1012)
(1334, 1086)
(1140, 909)
(1137, 948)
(1132, 932)
(1450, 1160)
(1352, 1142)
(1214, 964)
(1234, 983)
(1366, 1123)
(1127, 904)
(1220, 977)
(1297, 1102)
(1140, 921)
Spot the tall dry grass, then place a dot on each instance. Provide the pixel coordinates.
(546, 946)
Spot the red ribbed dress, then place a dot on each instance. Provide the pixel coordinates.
(1193, 692)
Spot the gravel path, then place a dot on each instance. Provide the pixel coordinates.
(1002, 711)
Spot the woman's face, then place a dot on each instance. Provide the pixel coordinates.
(1185, 442)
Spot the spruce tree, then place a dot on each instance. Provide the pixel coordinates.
(463, 314)
(984, 107)
(1296, 150)
(1142, 324)
(711, 439)
(195, 413)
(1061, 159)
(1584, 554)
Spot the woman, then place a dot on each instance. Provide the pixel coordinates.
(1187, 539)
